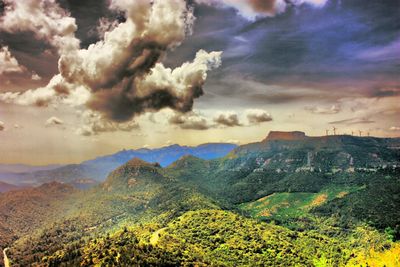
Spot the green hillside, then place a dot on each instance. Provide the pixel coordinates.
(272, 203)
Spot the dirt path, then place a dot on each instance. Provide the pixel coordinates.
(5, 258)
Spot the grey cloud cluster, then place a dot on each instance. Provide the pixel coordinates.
(120, 76)
(45, 18)
(8, 63)
(256, 116)
(222, 119)
(94, 123)
(334, 109)
(229, 119)
(190, 121)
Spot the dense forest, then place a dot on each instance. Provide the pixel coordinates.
(272, 204)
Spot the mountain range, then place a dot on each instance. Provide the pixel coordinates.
(91, 172)
(288, 200)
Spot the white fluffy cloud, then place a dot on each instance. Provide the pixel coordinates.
(56, 90)
(256, 116)
(45, 18)
(394, 128)
(8, 63)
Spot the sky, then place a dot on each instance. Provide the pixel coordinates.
(83, 78)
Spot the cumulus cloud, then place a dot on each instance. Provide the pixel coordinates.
(256, 116)
(54, 121)
(56, 90)
(251, 9)
(161, 88)
(190, 121)
(222, 119)
(45, 18)
(324, 110)
(2, 127)
(228, 119)
(120, 76)
(8, 63)
(94, 124)
(394, 128)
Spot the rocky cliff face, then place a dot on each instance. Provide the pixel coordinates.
(279, 135)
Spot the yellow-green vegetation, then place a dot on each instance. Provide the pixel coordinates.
(283, 206)
(198, 213)
(222, 238)
(372, 258)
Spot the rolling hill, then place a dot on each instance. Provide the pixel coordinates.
(337, 192)
(5, 187)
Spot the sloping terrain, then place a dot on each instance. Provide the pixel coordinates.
(26, 210)
(5, 187)
(333, 207)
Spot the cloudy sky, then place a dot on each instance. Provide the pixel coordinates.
(82, 78)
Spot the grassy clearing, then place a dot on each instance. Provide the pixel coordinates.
(292, 205)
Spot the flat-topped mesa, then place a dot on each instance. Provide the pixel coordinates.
(286, 136)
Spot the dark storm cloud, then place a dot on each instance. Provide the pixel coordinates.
(250, 92)
(213, 30)
(324, 44)
(345, 48)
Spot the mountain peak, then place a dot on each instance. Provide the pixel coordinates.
(137, 163)
(131, 174)
(287, 136)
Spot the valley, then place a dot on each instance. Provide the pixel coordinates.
(268, 203)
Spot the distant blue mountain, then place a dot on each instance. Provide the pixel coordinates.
(96, 170)
(165, 155)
